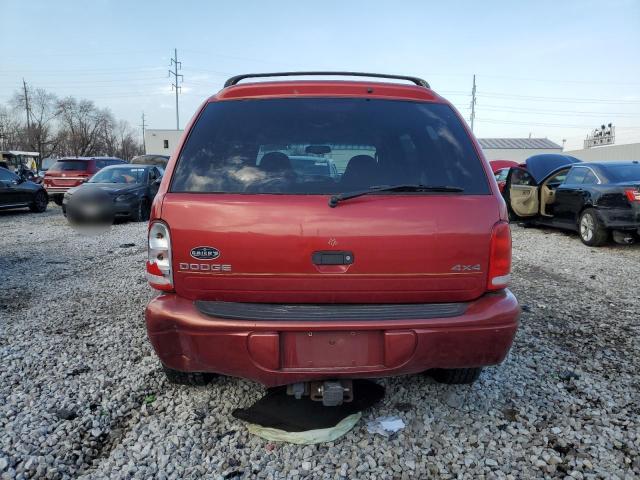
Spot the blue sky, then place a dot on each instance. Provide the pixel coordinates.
(554, 69)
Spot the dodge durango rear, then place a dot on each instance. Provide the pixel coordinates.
(329, 230)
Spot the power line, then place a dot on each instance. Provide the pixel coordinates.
(77, 71)
(559, 125)
(558, 113)
(563, 80)
(558, 99)
(176, 84)
(510, 108)
(88, 54)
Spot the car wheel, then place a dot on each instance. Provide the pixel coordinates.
(188, 378)
(591, 230)
(40, 202)
(455, 376)
(141, 214)
(57, 199)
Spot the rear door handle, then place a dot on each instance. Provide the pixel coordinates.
(332, 257)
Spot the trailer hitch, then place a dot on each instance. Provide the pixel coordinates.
(330, 392)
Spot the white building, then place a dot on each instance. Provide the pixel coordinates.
(516, 149)
(630, 151)
(164, 142)
(161, 142)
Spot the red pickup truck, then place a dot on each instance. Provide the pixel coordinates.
(397, 264)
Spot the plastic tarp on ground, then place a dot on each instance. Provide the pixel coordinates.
(281, 417)
(307, 437)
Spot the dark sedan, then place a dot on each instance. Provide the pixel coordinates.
(118, 191)
(16, 191)
(594, 199)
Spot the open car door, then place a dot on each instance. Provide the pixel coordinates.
(522, 190)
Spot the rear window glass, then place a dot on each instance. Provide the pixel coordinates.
(66, 165)
(47, 163)
(120, 175)
(624, 173)
(501, 175)
(576, 175)
(326, 145)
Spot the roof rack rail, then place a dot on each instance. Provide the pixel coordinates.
(235, 80)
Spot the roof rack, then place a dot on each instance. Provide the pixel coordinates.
(235, 80)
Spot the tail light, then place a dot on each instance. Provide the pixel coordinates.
(632, 195)
(500, 259)
(159, 272)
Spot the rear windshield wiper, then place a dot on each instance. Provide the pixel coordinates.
(406, 187)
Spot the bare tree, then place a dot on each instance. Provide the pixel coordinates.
(83, 125)
(41, 134)
(129, 146)
(66, 127)
(13, 134)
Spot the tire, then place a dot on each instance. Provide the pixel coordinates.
(188, 378)
(141, 213)
(57, 199)
(40, 202)
(455, 376)
(591, 230)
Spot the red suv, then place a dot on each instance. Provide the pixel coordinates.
(397, 264)
(70, 172)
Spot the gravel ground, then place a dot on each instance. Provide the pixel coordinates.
(82, 395)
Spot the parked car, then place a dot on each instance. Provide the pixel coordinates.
(157, 160)
(16, 191)
(398, 266)
(593, 199)
(118, 191)
(501, 170)
(531, 173)
(47, 163)
(70, 172)
(304, 165)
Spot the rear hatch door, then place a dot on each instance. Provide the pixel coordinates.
(67, 173)
(427, 248)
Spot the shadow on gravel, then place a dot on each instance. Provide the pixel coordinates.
(14, 213)
(574, 236)
(14, 300)
(100, 442)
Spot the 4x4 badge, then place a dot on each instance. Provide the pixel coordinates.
(205, 253)
(466, 268)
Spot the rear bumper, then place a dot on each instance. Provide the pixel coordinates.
(106, 209)
(282, 352)
(125, 209)
(57, 190)
(621, 218)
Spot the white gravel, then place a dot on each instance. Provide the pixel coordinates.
(82, 395)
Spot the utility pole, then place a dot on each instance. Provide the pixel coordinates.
(473, 102)
(176, 65)
(144, 143)
(26, 103)
(2, 131)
